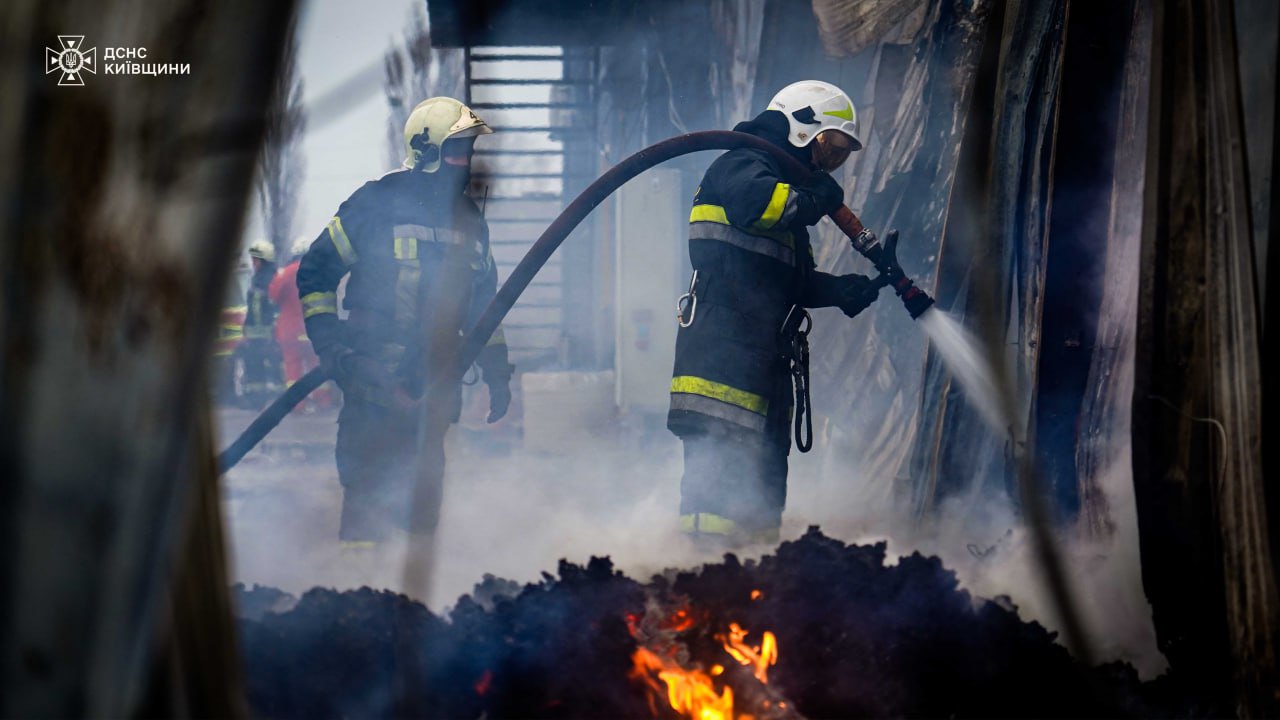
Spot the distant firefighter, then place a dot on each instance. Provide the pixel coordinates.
(743, 322)
(417, 250)
(291, 333)
(258, 351)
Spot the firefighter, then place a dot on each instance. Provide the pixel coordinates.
(258, 352)
(417, 251)
(743, 322)
(291, 334)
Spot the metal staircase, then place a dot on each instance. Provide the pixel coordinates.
(539, 102)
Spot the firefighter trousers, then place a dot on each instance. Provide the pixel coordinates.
(382, 457)
(735, 480)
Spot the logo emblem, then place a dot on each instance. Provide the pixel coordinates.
(72, 60)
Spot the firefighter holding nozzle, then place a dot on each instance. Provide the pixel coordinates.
(741, 350)
(416, 249)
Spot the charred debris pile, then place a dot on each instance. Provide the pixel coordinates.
(817, 629)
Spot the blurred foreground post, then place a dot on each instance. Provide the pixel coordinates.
(1197, 455)
(122, 204)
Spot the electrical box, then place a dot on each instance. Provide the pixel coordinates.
(652, 224)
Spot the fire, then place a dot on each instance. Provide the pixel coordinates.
(692, 693)
(689, 692)
(759, 657)
(484, 683)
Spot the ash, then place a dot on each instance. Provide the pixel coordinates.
(857, 638)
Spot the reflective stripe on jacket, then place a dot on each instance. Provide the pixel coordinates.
(384, 236)
(753, 260)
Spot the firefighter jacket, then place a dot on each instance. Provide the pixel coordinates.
(392, 236)
(260, 313)
(753, 264)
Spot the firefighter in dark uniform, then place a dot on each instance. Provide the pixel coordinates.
(741, 339)
(258, 352)
(417, 251)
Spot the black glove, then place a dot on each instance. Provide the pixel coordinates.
(333, 361)
(497, 375)
(347, 367)
(855, 293)
(819, 195)
(499, 401)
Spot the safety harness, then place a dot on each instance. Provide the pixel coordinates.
(795, 341)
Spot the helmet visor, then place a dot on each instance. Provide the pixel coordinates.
(831, 149)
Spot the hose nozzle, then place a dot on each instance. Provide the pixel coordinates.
(915, 300)
(885, 257)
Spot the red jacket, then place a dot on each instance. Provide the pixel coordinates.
(284, 293)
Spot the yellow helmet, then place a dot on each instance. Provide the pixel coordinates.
(300, 245)
(263, 250)
(431, 123)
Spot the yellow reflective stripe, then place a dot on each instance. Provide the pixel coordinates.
(715, 214)
(317, 303)
(770, 216)
(357, 545)
(341, 242)
(719, 391)
(497, 338)
(708, 213)
(845, 114)
(406, 248)
(708, 523)
(230, 329)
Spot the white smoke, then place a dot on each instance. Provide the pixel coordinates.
(516, 516)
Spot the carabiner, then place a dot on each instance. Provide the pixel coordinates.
(802, 326)
(688, 301)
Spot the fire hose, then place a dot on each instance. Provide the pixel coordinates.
(864, 242)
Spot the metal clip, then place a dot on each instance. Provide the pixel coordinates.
(865, 240)
(688, 301)
(802, 324)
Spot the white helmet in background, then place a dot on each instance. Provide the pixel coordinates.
(263, 250)
(813, 106)
(300, 246)
(431, 123)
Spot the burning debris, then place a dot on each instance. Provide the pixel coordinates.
(818, 629)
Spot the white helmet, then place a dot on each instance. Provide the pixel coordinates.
(812, 106)
(432, 122)
(300, 246)
(263, 250)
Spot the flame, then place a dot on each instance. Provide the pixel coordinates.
(689, 692)
(484, 683)
(692, 692)
(759, 657)
(756, 594)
